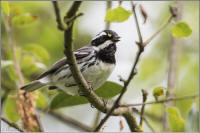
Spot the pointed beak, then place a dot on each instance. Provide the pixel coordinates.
(116, 39)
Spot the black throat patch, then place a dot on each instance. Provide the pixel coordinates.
(107, 54)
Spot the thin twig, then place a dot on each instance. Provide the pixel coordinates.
(82, 83)
(70, 121)
(131, 76)
(90, 95)
(144, 95)
(157, 32)
(12, 124)
(61, 25)
(116, 103)
(144, 13)
(73, 18)
(108, 6)
(160, 101)
(147, 114)
(144, 118)
(137, 23)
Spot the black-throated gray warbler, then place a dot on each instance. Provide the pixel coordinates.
(96, 62)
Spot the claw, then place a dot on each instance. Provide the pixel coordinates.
(91, 105)
(81, 93)
(105, 102)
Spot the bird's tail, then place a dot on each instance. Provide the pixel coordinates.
(34, 85)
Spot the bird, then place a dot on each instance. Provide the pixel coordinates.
(96, 62)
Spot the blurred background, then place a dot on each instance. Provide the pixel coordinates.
(40, 44)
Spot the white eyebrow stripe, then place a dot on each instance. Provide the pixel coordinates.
(98, 35)
(102, 46)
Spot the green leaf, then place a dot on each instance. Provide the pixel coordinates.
(23, 19)
(181, 29)
(37, 50)
(65, 100)
(106, 91)
(118, 14)
(5, 7)
(10, 109)
(177, 124)
(41, 101)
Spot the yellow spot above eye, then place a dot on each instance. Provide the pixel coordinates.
(109, 35)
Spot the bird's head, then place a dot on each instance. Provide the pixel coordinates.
(106, 39)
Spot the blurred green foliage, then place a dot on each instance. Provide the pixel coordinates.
(10, 109)
(5, 7)
(41, 101)
(39, 44)
(23, 19)
(177, 124)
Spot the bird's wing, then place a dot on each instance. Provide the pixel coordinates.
(79, 54)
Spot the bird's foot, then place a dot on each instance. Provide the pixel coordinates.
(83, 93)
(90, 87)
(80, 93)
(105, 102)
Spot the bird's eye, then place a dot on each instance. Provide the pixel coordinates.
(109, 35)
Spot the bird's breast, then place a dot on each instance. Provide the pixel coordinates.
(98, 73)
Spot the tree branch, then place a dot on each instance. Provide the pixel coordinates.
(160, 101)
(133, 71)
(137, 23)
(12, 124)
(90, 95)
(144, 118)
(61, 25)
(147, 114)
(108, 6)
(131, 76)
(159, 30)
(144, 95)
(82, 83)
